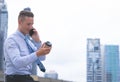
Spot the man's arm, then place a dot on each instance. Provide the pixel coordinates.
(13, 55)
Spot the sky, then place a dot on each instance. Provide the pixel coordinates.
(67, 24)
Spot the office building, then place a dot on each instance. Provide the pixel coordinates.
(111, 63)
(94, 65)
(3, 33)
(3, 29)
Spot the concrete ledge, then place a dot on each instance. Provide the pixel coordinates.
(35, 77)
(38, 79)
(42, 79)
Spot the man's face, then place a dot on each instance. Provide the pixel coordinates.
(26, 25)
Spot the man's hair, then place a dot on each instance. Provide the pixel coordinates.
(24, 14)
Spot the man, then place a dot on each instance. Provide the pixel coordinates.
(18, 58)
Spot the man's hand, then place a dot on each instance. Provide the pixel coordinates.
(44, 50)
(35, 36)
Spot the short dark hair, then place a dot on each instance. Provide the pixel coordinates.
(24, 14)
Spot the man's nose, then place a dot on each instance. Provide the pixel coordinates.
(31, 27)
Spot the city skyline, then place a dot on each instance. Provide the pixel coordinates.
(67, 24)
(102, 61)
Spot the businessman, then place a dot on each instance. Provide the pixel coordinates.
(18, 57)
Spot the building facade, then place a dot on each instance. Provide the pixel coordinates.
(94, 65)
(3, 34)
(111, 63)
(3, 29)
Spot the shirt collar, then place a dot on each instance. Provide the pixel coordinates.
(20, 34)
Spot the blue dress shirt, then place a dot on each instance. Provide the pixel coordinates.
(18, 59)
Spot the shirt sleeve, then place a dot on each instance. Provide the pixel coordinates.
(13, 55)
(38, 45)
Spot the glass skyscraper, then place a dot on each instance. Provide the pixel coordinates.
(111, 63)
(3, 34)
(94, 67)
(3, 29)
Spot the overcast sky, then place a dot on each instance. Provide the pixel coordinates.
(68, 24)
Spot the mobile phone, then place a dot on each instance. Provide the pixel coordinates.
(31, 32)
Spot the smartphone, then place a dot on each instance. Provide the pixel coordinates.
(31, 32)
